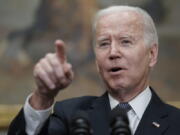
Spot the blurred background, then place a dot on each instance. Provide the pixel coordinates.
(28, 29)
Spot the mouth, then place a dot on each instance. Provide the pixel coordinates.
(115, 69)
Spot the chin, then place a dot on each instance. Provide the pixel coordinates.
(119, 85)
(116, 87)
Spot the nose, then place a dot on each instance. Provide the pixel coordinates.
(114, 52)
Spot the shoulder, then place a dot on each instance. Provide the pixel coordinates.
(173, 119)
(162, 106)
(172, 109)
(174, 113)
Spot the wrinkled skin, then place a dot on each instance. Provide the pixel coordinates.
(52, 73)
(123, 59)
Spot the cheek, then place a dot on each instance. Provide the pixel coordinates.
(141, 56)
(101, 68)
(100, 61)
(139, 65)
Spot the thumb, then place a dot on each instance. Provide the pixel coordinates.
(60, 50)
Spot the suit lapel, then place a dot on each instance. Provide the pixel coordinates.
(153, 122)
(155, 118)
(99, 115)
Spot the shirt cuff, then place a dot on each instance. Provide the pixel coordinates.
(35, 118)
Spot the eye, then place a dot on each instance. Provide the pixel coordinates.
(126, 42)
(104, 44)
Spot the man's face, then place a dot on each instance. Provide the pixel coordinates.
(122, 58)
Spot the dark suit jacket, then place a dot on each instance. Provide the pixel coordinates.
(98, 109)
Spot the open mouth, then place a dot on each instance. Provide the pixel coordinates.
(115, 69)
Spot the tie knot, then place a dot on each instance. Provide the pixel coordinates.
(125, 106)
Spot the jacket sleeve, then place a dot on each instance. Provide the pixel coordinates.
(17, 126)
(54, 125)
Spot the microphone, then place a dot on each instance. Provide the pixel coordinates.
(80, 124)
(119, 122)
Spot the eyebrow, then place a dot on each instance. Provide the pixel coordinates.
(125, 37)
(103, 38)
(106, 37)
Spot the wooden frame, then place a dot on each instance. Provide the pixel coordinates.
(7, 113)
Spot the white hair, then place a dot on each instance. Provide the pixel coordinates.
(150, 33)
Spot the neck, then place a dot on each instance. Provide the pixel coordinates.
(126, 95)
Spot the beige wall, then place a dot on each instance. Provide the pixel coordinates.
(72, 25)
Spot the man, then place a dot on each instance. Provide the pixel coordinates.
(126, 48)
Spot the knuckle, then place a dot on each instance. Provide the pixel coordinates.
(42, 74)
(68, 66)
(68, 69)
(50, 71)
(36, 69)
(42, 61)
(49, 55)
(55, 63)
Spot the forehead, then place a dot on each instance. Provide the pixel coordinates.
(120, 22)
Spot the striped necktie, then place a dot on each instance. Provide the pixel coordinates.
(124, 106)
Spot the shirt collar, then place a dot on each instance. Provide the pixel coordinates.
(138, 104)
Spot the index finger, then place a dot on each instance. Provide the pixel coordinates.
(60, 50)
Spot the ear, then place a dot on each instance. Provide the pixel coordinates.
(97, 66)
(153, 55)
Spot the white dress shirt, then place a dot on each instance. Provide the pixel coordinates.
(138, 105)
(36, 118)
